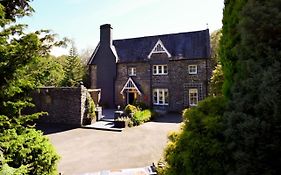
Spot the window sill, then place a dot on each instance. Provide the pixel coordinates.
(159, 74)
(158, 104)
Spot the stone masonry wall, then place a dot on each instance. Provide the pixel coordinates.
(142, 80)
(64, 105)
(178, 81)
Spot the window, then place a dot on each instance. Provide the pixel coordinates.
(132, 71)
(193, 97)
(160, 69)
(160, 97)
(159, 48)
(192, 69)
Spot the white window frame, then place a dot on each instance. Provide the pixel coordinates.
(160, 96)
(132, 71)
(192, 69)
(160, 69)
(191, 95)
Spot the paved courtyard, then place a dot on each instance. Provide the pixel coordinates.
(88, 150)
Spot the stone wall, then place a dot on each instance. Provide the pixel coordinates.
(142, 80)
(178, 81)
(64, 105)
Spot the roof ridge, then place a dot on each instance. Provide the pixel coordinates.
(161, 35)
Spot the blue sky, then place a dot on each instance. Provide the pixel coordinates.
(80, 19)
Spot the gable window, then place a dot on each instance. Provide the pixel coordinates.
(159, 48)
(132, 71)
(193, 97)
(192, 69)
(160, 97)
(160, 69)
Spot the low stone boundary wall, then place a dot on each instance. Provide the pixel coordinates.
(64, 105)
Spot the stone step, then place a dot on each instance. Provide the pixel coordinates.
(103, 125)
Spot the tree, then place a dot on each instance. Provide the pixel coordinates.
(217, 78)
(19, 144)
(47, 71)
(252, 62)
(230, 41)
(73, 68)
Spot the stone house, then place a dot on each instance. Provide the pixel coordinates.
(167, 72)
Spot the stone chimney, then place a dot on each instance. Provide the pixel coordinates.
(105, 35)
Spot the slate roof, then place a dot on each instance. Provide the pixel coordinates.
(188, 45)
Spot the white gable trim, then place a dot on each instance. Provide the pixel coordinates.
(130, 84)
(114, 53)
(94, 54)
(154, 50)
(96, 50)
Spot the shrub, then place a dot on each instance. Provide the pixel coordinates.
(28, 149)
(141, 105)
(199, 148)
(90, 106)
(130, 109)
(141, 116)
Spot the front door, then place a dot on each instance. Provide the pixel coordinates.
(130, 97)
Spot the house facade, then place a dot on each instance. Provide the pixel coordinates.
(167, 72)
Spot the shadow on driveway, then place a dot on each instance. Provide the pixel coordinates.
(54, 128)
(168, 118)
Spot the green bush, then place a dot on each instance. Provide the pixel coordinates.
(141, 116)
(90, 106)
(130, 109)
(141, 105)
(29, 152)
(199, 148)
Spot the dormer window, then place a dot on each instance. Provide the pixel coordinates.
(132, 71)
(159, 48)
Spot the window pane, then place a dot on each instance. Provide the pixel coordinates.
(154, 69)
(165, 69)
(161, 97)
(155, 96)
(166, 97)
(192, 69)
(193, 97)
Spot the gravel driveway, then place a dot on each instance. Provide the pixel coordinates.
(88, 150)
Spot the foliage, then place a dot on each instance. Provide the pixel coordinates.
(141, 117)
(23, 149)
(215, 39)
(140, 105)
(229, 42)
(217, 75)
(90, 107)
(29, 149)
(217, 81)
(46, 71)
(73, 69)
(253, 116)
(199, 148)
(130, 109)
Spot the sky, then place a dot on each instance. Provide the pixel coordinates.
(80, 20)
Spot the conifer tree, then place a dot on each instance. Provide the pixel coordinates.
(73, 68)
(23, 150)
(252, 65)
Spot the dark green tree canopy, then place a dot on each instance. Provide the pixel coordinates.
(23, 150)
